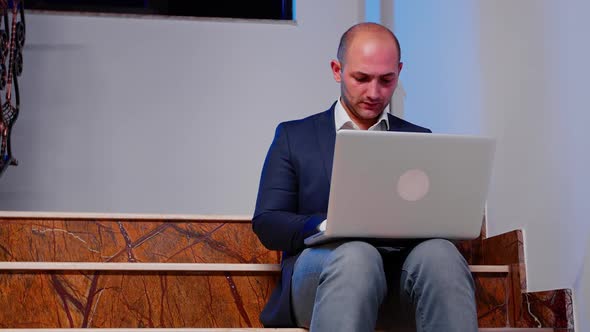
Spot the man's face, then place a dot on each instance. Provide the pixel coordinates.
(368, 77)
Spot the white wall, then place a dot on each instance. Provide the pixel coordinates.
(536, 70)
(516, 70)
(536, 102)
(160, 115)
(440, 51)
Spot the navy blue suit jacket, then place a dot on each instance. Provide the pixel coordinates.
(293, 196)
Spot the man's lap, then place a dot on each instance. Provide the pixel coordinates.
(397, 306)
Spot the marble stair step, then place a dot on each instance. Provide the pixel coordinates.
(178, 267)
(61, 257)
(500, 329)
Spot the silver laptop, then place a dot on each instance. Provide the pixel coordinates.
(394, 185)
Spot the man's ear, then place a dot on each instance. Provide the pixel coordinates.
(336, 70)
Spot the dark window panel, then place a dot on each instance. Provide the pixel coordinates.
(254, 9)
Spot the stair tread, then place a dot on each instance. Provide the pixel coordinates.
(181, 267)
(126, 216)
(496, 329)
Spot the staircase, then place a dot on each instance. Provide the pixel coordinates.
(88, 272)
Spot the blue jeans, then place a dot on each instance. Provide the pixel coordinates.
(353, 286)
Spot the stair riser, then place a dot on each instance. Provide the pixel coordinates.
(133, 299)
(66, 240)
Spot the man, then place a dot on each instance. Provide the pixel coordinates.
(343, 286)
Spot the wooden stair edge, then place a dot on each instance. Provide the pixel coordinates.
(178, 267)
(493, 329)
(123, 216)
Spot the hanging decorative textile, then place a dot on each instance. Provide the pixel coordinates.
(12, 41)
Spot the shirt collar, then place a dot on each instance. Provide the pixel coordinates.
(343, 121)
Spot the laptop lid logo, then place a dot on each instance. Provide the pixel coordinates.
(413, 185)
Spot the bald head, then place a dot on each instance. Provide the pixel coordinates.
(365, 30)
(367, 69)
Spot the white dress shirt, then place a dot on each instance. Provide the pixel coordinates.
(343, 121)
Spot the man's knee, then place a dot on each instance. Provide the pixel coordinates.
(356, 263)
(436, 258)
(436, 280)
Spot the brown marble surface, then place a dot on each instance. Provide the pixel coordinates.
(491, 291)
(109, 300)
(503, 249)
(131, 241)
(547, 309)
(54, 299)
(129, 299)
(508, 249)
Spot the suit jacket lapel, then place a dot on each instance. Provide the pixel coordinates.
(326, 134)
(394, 123)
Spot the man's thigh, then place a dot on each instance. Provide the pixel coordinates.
(396, 309)
(436, 263)
(348, 265)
